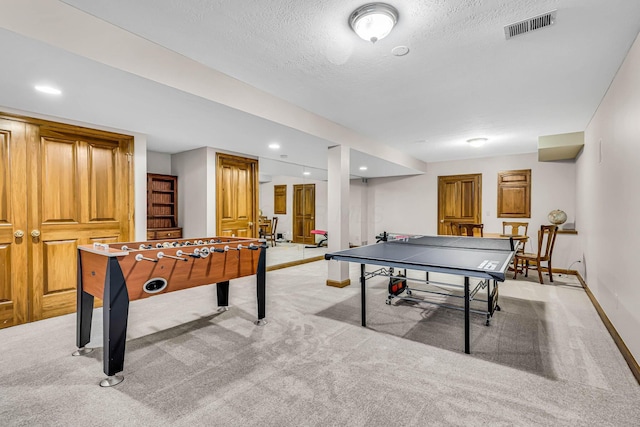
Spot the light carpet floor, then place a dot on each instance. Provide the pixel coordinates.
(546, 359)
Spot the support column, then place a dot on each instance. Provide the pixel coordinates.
(364, 213)
(338, 213)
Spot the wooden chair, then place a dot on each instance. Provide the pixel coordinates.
(453, 228)
(546, 241)
(516, 229)
(270, 233)
(468, 229)
(263, 224)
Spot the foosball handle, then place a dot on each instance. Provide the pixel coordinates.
(163, 255)
(140, 257)
(194, 254)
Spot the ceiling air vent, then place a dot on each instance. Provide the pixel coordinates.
(530, 24)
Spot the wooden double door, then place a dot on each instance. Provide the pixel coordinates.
(304, 213)
(459, 200)
(60, 186)
(236, 196)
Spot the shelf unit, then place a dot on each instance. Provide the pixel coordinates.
(162, 207)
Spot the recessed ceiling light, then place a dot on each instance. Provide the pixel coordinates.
(400, 50)
(306, 173)
(48, 89)
(477, 142)
(363, 168)
(274, 146)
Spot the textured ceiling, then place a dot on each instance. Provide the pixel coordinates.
(462, 79)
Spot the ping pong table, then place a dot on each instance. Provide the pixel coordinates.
(480, 258)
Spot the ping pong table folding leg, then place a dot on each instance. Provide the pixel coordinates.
(466, 316)
(492, 299)
(363, 298)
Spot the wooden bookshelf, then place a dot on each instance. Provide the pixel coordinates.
(162, 207)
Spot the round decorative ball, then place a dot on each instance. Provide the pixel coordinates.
(557, 217)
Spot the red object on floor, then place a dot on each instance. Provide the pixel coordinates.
(321, 242)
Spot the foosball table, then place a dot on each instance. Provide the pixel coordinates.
(122, 272)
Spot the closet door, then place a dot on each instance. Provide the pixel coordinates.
(236, 196)
(78, 189)
(304, 213)
(60, 186)
(13, 224)
(459, 200)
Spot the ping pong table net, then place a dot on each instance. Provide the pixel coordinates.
(389, 237)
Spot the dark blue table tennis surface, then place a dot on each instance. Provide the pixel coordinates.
(469, 256)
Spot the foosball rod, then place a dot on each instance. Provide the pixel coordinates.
(163, 255)
(140, 257)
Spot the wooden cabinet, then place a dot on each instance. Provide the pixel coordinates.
(164, 233)
(162, 207)
(514, 194)
(280, 199)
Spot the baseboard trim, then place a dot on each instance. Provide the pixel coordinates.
(624, 350)
(294, 263)
(562, 271)
(337, 284)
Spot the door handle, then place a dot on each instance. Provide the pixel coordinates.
(18, 234)
(35, 234)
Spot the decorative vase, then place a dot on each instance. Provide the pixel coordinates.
(557, 217)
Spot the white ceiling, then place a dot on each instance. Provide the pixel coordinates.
(240, 74)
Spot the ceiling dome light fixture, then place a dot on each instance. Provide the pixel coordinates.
(477, 142)
(373, 21)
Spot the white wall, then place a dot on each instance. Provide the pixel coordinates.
(359, 212)
(410, 204)
(159, 163)
(196, 191)
(608, 173)
(140, 187)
